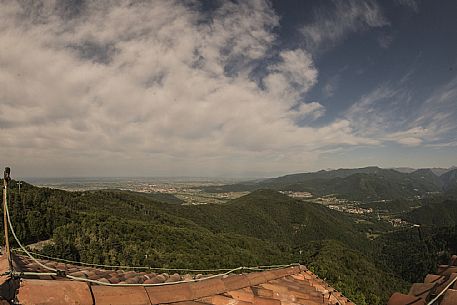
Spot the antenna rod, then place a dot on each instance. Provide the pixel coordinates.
(6, 179)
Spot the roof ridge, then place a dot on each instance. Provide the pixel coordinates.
(294, 284)
(440, 288)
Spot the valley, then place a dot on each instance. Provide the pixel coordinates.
(299, 218)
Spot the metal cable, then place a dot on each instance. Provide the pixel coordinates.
(55, 271)
(256, 268)
(442, 291)
(19, 243)
(155, 284)
(123, 267)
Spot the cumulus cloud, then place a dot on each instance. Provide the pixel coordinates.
(311, 111)
(333, 24)
(154, 88)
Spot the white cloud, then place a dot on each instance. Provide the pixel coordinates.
(391, 113)
(308, 111)
(438, 113)
(155, 88)
(332, 25)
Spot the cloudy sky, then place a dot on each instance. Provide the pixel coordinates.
(226, 88)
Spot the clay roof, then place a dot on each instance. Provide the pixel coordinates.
(445, 282)
(291, 285)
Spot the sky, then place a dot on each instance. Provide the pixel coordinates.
(226, 88)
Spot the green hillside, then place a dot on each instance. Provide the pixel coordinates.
(264, 227)
(393, 206)
(428, 176)
(269, 215)
(332, 260)
(284, 182)
(412, 253)
(435, 214)
(364, 184)
(449, 180)
(118, 227)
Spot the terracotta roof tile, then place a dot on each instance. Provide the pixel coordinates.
(245, 295)
(170, 293)
(109, 295)
(266, 301)
(262, 292)
(405, 299)
(236, 281)
(256, 278)
(422, 290)
(450, 298)
(442, 284)
(32, 292)
(208, 287)
(275, 287)
(187, 303)
(446, 269)
(431, 278)
(222, 300)
(283, 286)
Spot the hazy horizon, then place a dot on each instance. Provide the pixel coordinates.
(209, 178)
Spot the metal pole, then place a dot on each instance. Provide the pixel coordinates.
(6, 179)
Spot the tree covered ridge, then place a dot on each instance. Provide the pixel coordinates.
(264, 227)
(364, 184)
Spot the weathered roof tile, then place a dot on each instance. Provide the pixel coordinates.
(446, 269)
(422, 290)
(222, 300)
(282, 286)
(32, 292)
(207, 287)
(442, 284)
(109, 295)
(170, 293)
(266, 301)
(450, 298)
(236, 281)
(256, 278)
(245, 295)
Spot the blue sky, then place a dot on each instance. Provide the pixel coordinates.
(226, 88)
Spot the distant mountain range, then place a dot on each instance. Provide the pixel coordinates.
(365, 184)
(436, 170)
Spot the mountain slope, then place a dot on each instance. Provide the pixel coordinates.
(119, 227)
(283, 182)
(449, 180)
(427, 176)
(367, 184)
(435, 214)
(269, 215)
(262, 218)
(331, 260)
(264, 227)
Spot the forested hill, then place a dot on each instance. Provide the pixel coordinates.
(364, 184)
(449, 180)
(269, 215)
(264, 227)
(436, 214)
